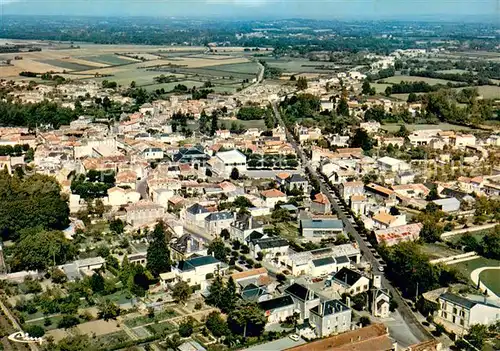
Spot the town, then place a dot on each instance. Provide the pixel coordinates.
(348, 210)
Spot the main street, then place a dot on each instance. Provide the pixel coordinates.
(410, 319)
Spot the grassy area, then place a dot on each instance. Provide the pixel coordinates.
(393, 127)
(105, 341)
(489, 278)
(439, 250)
(161, 328)
(299, 65)
(288, 230)
(109, 59)
(119, 297)
(246, 68)
(138, 321)
(170, 86)
(380, 87)
(468, 266)
(41, 323)
(65, 65)
(399, 79)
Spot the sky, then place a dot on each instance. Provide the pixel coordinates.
(320, 9)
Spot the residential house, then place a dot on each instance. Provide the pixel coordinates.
(118, 197)
(215, 222)
(380, 192)
(448, 205)
(224, 162)
(278, 309)
(394, 235)
(349, 189)
(330, 317)
(270, 247)
(144, 212)
(186, 246)
(321, 228)
(196, 214)
(193, 155)
(389, 164)
(152, 154)
(462, 140)
(405, 177)
(384, 220)
(462, 312)
(358, 204)
(194, 270)
(323, 266)
(243, 226)
(321, 204)
(380, 298)
(304, 299)
(352, 282)
(296, 181)
(272, 197)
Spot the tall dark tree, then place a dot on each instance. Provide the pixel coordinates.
(362, 139)
(158, 254)
(214, 124)
(302, 83)
(218, 249)
(343, 107)
(247, 320)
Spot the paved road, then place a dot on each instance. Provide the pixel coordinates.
(414, 325)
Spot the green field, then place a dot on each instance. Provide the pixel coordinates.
(399, 79)
(69, 66)
(380, 87)
(140, 76)
(112, 60)
(108, 340)
(438, 250)
(170, 86)
(393, 127)
(468, 266)
(299, 65)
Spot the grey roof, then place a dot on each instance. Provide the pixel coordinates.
(269, 243)
(197, 209)
(457, 300)
(219, 216)
(322, 224)
(252, 292)
(196, 262)
(300, 292)
(246, 222)
(254, 235)
(289, 207)
(186, 244)
(347, 276)
(342, 259)
(323, 261)
(296, 178)
(279, 302)
(329, 308)
(447, 201)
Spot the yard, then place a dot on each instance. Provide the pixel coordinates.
(491, 277)
(439, 250)
(141, 320)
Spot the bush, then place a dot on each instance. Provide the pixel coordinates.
(365, 321)
(439, 330)
(35, 331)
(198, 306)
(209, 276)
(186, 328)
(68, 321)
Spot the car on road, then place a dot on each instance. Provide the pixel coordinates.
(294, 337)
(381, 268)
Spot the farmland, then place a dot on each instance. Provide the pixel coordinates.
(399, 79)
(412, 127)
(191, 66)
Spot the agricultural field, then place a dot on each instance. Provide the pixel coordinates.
(170, 86)
(295, 66)
(394, 127)
(110, 59)
(399, 79)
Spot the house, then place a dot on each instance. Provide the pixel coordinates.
(185, 247)
(395, 235)
(349, 189)
(194, 270)
(191, 345)
(374, 337)
(380, 298)
(296, 181)
(321, 204)
(358, 204)
(321, 228)
(380, 192)
(152, 153)
(384, 220)
(118, 197)
(272, 197)
(462, 312)
(462, 140)
(193, 156)
(270, 247)
(405, 177)
(196, 215)
(278, 309)
(389, 164)
(304, 299)
(243, 226)
(448, 205)
(352, 282)
(330, 317)
(215, 222)
(323, 266)
(144, 212)
(224, 163)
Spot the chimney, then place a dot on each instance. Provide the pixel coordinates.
(348, 301)
(377, 281)
(320, 309)
(189, 244)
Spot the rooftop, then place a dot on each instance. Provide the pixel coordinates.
(272, 193)
(329, 307)
(300, 292)
(196, 262)
(347, 277)
(457, 300)
(322, 224)
(279, 302)
(233, 156)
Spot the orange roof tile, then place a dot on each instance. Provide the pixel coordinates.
(272, 193)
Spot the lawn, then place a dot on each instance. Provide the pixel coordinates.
(138, 321)
(468, 266)
(439, 250)
(247, 68)
(119, 297)
(288, 230)
(161, 328)
(41, 323)
(299, 65)
(489, 278)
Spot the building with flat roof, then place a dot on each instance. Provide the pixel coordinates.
(224, 162)
(321, 228)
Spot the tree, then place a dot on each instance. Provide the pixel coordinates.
(215, 122)
(366, 88)
(216, 324)
(186, 327)
(108, 310)
(362, 139)
(412, 97)
(247, 320)
(97, 283)
(117, 226)
(230, 297)
(203, 122)
(302, 83)
(68, 321)
(181, 292)
(402, 132)
(218, 249)
(388, 91)
(235, 174)
(281, 215)
(281, 278)
(343, 107)
(173, 342)
(477, 335)
(158, 254)
(34, 330)
(433, 194)
(58, 276)
(224, 234)
(491, 244)
(439, 330)
(364, 320)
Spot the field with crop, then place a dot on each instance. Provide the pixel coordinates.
(399, 79)
(109, 59)
(300, 65)
(412, 127)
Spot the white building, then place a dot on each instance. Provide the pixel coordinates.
(194, 271)
(224, 163)
(389, 164)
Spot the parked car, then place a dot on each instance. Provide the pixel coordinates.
(294, 337)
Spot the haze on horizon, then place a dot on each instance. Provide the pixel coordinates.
(234, 9)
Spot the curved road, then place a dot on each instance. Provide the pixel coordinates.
(410, 319)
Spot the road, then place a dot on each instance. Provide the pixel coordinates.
(412, 322)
